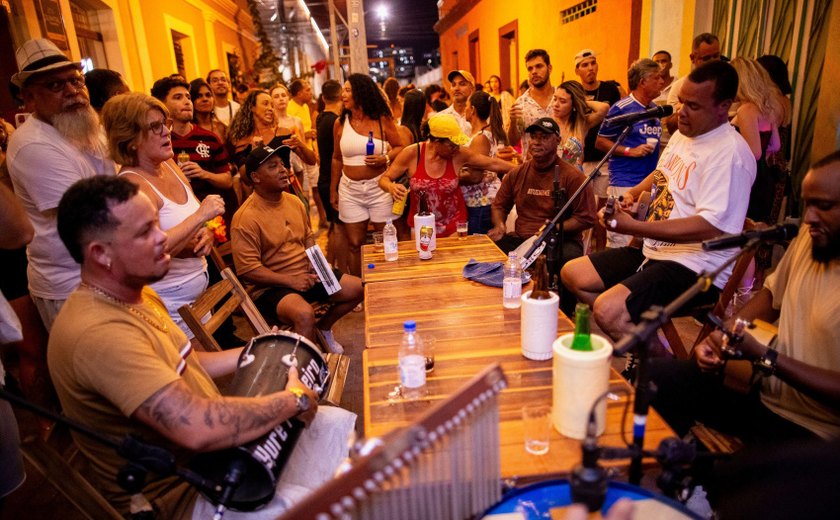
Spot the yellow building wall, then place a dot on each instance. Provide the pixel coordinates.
(827, 118)
(606, 31)
(140, 37)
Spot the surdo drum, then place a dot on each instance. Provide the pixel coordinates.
(263, 368)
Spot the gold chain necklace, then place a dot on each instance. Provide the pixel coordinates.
(159, 325)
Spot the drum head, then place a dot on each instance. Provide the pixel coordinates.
(538, 500)
(264, 363)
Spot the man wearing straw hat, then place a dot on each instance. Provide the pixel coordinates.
(59, 144)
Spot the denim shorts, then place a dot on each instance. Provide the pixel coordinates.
(359, 201)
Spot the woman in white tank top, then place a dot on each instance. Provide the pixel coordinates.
(354, 186)
(144, 149)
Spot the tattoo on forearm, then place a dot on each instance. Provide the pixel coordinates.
(175, 407)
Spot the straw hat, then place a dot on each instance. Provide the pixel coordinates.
(37, 56)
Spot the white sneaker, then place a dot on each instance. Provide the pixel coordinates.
(334, 346)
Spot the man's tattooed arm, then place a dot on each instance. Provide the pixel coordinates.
(212, 423)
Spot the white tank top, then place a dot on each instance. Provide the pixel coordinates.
(354, 146)
(170, 215)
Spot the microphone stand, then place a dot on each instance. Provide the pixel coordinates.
(554, 243)
(142, 457)
(558, 217)
(638, 339)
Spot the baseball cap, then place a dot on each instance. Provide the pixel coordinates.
(444, 126)
(261, 154)
(545, 125)
(464, 74)
(582, 55)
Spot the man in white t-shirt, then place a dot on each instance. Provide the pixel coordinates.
(463, 86)
(702, 182)
(59, 144)
(225, 108)
(799, 394)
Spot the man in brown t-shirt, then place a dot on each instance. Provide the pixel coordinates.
(530, 186)
(270, 233)
(121, 366)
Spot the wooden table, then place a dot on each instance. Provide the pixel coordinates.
(471, 329)
(529, 382)
(447, 307)
(449, 257)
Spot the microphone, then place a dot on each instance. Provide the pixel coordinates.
(771, 234)
(656, 112)
(588, 481)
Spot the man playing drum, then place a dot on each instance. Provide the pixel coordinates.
(121, 366)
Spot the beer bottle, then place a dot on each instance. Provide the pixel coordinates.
(423, 203)
(582, 339)
(540, 290)
(370, 146)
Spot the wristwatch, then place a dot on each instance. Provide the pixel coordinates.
(766, 364)
(302, 399)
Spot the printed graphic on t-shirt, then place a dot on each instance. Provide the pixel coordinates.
(661, 206)
(663, 203)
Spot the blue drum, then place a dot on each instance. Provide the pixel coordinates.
(537, 500)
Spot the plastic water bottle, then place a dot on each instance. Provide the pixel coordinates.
(412, 361)
(370, 146)
(512, 284)
(389, 241)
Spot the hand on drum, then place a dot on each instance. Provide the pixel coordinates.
(308, 415)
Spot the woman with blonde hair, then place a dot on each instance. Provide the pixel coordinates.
(761, 111)
(574, 114)
(286, 124)
(137, 126)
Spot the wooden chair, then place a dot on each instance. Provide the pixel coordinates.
(220, 255)
(739, 270)
(59, 468)
(230, 293)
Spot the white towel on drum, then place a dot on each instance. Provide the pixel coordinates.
(317, 455)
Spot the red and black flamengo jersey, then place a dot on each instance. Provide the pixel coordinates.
(207, 150)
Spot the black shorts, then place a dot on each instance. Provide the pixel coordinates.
(267, 302)
(659, 282)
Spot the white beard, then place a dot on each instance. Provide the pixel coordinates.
(81, 128)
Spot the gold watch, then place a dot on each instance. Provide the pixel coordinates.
(302, 399)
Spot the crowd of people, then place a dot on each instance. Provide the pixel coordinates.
(117, 187)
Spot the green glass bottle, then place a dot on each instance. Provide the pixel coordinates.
(582, 339)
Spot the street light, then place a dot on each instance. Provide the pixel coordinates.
(382, 12)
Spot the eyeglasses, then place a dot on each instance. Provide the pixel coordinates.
(57, 85)
(158, 126)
